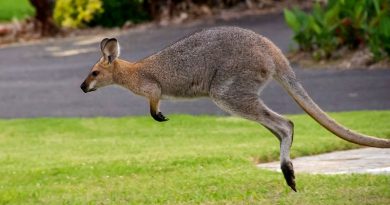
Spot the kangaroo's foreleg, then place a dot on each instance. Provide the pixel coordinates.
(152, 91)
(247, 104)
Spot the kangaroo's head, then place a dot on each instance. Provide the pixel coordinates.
(101, 73)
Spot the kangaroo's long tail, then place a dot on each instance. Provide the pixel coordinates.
(296, 90)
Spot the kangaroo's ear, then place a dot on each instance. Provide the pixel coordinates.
(110, 49)
(103, 43)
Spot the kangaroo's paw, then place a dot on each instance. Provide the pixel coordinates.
(288, 172)
(159, 117)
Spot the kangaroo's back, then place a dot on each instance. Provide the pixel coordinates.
(194, 62)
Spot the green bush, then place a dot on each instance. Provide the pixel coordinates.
(76, 13)
(342, 23)
(19, 9)
(117, 12)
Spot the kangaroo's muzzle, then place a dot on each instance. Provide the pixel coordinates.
(85, 88)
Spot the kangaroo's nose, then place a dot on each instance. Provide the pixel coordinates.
(83, 87)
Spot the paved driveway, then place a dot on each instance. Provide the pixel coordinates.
(43, 79)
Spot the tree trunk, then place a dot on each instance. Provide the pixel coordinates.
(43, 17)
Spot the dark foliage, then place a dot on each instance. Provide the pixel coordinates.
(347, 23)
(117, 12)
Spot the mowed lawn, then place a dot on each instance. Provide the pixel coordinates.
(18, 9)
(187, 160)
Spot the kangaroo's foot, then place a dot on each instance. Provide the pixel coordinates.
(159, 117)
(288, 172)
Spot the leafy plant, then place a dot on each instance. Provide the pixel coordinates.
(76, 13)
(379, 31)
(19, 9)
(342, 23)
(117, 12)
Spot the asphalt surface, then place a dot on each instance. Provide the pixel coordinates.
(43, 79)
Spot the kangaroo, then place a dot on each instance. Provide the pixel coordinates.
(231, 66)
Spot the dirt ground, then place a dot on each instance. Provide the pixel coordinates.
(345, 60)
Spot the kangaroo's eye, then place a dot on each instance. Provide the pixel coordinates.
(95, 73)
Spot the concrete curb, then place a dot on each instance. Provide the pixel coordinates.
(366, 160)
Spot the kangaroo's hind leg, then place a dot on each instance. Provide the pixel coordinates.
(238, 101)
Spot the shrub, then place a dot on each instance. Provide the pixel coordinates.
(342, 23)
(117, 12)
(76, 13)
(20, 9)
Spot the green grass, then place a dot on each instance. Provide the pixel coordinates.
(188, 160)
(18, 9)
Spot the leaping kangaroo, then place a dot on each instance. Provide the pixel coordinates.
(231, 66)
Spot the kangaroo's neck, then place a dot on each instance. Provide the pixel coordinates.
(124, 71)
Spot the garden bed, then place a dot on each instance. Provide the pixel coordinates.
(21, 31)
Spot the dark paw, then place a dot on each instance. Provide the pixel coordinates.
(159, 117)
(288, 172)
